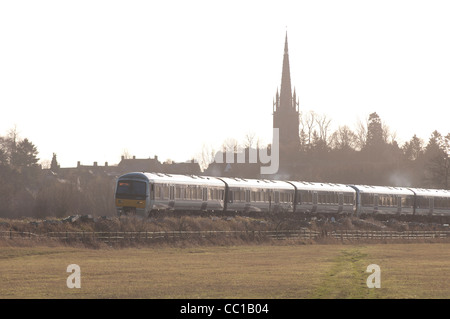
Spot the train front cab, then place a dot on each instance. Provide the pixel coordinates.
(132, 194)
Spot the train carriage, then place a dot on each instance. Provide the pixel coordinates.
(431, 202)
(141, 193)
(324, 198)
(383, 200)
(254, 195)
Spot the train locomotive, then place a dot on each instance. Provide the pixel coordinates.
(142, 194)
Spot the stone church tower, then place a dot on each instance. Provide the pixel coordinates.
(286, 115)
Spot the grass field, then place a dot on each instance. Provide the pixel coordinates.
(248, 271)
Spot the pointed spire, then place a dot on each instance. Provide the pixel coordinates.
(286, 44)
(286, 92)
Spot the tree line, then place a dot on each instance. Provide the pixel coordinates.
(28, 190)
(368, 154)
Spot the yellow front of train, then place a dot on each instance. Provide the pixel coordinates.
(132, 196)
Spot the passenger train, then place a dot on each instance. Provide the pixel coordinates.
(145, 193)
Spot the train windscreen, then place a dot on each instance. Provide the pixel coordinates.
(131, 190)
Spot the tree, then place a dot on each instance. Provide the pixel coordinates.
(437, 160)
(25, 154)
(324, 126)
(375, 133)
(249, 139)
(413, 149)
(361, 134)
(54, 164)
(344, 139)
(308, 122)
(3, 156)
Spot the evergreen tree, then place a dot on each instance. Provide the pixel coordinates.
(375, 138)
(54, 164)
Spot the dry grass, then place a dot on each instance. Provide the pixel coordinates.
(245, 271)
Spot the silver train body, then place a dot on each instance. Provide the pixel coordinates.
(143, 193)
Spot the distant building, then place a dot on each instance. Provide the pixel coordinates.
(286, 115)
(154, 165)
(239, 166)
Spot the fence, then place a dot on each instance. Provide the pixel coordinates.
(117, 236)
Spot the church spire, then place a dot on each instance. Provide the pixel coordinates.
(286, 91)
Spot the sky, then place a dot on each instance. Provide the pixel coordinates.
(93, 80)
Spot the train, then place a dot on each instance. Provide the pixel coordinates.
(143, 194)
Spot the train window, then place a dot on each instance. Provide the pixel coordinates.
(394, 201)
(336, 198)
(171, 192)
(157, 191)
(422, 202)
(289, 197)
(230, 196)
(367, 199)
(165, 190)
(131, 188)
(152, 191)
(349, 199)
(321, 198)
(187, 193)
(268, 196)
(305, 197)
(178, 192)
(441, 202)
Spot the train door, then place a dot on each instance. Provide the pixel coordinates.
(399, 204)
(171, 196)
(204, 198)
(431, 199)
(277, 197)
(340, 202)
(315, 198)
(375, 203)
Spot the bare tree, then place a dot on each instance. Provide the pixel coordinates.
(324, 126)
(206, 156)
(361, 133)
(230, 144)
(249, 139)
(389, 137)
(344, 138)
(126, 154)
(307, 121)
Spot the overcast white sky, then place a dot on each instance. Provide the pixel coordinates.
(90, 79)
